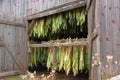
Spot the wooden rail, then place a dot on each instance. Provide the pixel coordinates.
(15, 23)
(77, 43)
(9, 73)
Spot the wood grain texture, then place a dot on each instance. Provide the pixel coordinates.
(106, 16)
(56, 9)
(84, 43)
(9, 73)
(12, 32)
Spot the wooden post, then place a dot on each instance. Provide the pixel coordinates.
(26, 44)
(54, 63)
(54, 60)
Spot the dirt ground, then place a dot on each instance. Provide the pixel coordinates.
(49, 76)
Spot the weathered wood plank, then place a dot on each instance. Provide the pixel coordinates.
(54, 60)
(15, 23)
(91, 25)
(2, 50)
(84, 43)
(57, 9)
(103, 46)
(9, 73)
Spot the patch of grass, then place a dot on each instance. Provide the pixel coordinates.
(15, 78)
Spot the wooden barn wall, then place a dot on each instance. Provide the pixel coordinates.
(104, 16)
(110, 32)
(35, 6)
(13, 36)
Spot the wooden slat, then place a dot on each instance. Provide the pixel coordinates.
(9, 73)
(57, 9)
(84, 43)
(54, 59)
(15, 23)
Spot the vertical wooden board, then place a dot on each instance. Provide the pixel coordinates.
(115, 32)
(51, 3)
(94, 69)
(96, 73)
(45, 4)
(61, 2)
(115, 27)
(35, 6)
(57, 2)
(17, 44)
(22, 7)
(4, 8)
(17, 8)
(25, 3)
(29, 7)
(91, 18)
(7, 41)
(22, 47)
(11, 43)
(103, 32)
(118, 34)
(12, 7)
(0, 49)
(39, 6)
(32, 6)
(1, 2)
(109, 32)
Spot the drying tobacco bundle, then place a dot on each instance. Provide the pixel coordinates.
(68, 58)
(51, 25)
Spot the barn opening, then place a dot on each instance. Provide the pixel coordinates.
(58, 42)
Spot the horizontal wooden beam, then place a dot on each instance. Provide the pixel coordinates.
(9, 73)
(15, 23)
(57, 9)
(77, 43)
